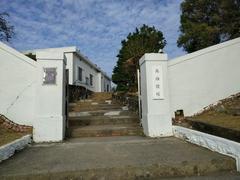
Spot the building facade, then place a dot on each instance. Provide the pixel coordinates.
(81, 71)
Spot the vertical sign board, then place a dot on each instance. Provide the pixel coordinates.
(157, 77)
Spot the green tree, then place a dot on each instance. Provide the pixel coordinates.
(6, 30)
(208, 22)
(144, 40)
(32, 56)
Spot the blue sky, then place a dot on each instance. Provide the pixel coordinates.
(96, 27)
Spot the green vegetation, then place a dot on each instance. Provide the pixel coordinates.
(32, 56)
(208, 22)
(6, 30)
(144, 40)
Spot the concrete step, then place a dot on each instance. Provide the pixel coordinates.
(100, 113)
(106, 130)
(95, 108)
(101, 96)
(100, 105)
(94, 104)
(101, 120)
(118, 158)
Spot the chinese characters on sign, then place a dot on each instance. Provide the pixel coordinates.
(49, 76)
(157, 82)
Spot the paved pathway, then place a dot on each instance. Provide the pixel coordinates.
(115, 158)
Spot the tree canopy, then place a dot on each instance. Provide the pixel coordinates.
(208, 22)
(6, 30)
(32, 56)
(144, 40)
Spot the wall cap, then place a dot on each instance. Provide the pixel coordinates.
(153, 57)
(17, 54)
(204, 51)
(49, 56)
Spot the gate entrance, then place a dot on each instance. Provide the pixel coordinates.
(66, 100)
(139, 96)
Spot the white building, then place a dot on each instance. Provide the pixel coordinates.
(34, 92)
(82, 72)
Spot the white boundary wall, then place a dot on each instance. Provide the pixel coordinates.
(26, 100)
(204, 77)
(7, 150)
(50, 99)
(17, 85)
(156, 119)
(214, 143)
(190, 83)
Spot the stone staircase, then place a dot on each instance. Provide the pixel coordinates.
(100, 116)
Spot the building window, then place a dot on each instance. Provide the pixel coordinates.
(91, 79)
(87, 80)
(79, 74)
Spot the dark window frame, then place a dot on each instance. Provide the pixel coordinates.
(91, 79)
(87, 80)
(80, 73)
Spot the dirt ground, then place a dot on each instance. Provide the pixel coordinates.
(7, 135)
(220, 119)
(225, 114)
(98, 97)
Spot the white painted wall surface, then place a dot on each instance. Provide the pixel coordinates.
(87, 70)
(69, 66)
(98, 83)
(23, 97)
(104, 83)
(49, 124)
(204, 77)
(17, 85)
(156, 118)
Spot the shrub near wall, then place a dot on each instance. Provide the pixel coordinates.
(131, 100)
(76, 93)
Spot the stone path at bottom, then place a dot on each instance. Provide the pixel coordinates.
(116, 158)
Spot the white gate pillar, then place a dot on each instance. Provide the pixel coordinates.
(49, 124)
(156, 117)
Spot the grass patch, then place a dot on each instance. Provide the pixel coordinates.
(222, 114)
(220, 119)
(8, 135)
